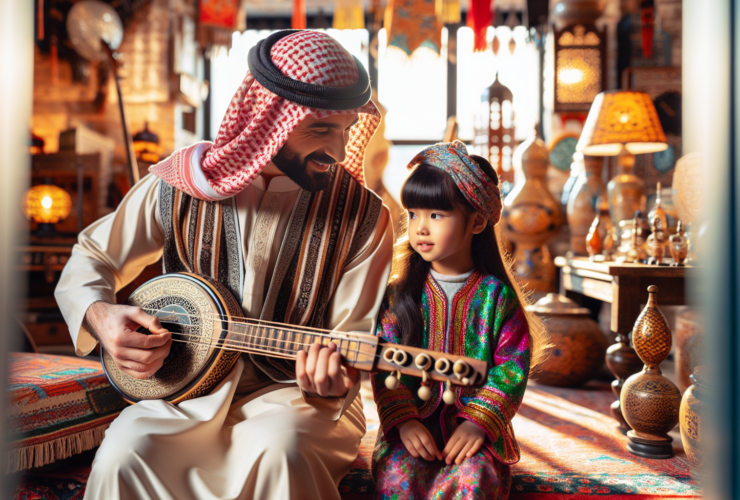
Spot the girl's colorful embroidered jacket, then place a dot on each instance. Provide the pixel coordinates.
(488, 323)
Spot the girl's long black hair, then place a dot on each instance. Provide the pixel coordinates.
(431, 188)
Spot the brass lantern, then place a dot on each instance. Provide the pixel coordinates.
(46, 204)
(580, 55)
(494, 131)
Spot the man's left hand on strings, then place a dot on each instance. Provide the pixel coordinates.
(321, 372)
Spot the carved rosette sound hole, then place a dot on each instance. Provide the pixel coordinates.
(183, 306)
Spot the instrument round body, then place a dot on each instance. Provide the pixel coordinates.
(197, 309)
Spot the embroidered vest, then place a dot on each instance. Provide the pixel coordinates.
(326, 230)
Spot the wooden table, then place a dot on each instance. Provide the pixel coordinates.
(624, 286)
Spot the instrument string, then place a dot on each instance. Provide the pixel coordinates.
(249, 321)
(239, 345)
(256, 346)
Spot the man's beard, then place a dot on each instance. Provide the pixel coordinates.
(290, 163)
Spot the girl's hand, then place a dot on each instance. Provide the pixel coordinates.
(417, 440)
(464, 443)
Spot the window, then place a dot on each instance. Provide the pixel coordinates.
(413, 89)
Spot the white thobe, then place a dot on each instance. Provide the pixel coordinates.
(249, 438)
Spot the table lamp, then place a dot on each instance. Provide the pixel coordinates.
(46, 205)
(623, 124)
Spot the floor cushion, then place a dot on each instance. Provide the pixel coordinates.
(59, 406)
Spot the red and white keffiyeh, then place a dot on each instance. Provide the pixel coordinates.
(258, 122)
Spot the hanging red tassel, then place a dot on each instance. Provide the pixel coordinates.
(479, 18)
(298, 21)
(647, 17)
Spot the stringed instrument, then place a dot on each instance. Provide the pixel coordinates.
(209, 334)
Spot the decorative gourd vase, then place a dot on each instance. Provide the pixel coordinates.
(579, 345)
(650, 402)
(626, 191)
(678, 244)
(531, 216)
(583, 202)
(693, 410)
(622, 361)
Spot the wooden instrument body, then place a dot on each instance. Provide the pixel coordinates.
(205, 313)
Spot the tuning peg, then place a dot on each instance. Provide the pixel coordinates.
(424, 392)
(448, 396)
(400, 357)
(442, 366)
(391, 381)
(388, 355)
(461, 369)
(423, 361)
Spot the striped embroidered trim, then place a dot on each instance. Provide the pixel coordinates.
(495, 427)
(394, 407)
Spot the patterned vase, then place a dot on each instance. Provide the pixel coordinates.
(693, 408)
(649, 401)
(579, 344)
(531, 216)
(583, 203)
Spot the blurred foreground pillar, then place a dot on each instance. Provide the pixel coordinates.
(16, 96)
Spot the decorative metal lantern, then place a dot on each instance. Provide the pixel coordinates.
(46, 205)
(494, 131)
(146, 145)
(580, 55)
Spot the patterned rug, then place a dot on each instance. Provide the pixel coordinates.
(59, 406)
(571, 449)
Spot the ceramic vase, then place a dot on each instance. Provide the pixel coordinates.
(579, 345)
(583, 202)
(531, 216)
(649, 401)
(626, 191)
(692, 412)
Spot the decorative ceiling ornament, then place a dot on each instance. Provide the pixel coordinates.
(647, 20)
(218, 19)
(448, 11)
(298, 20)
(479, 19)
(349, 15)
(412, 24)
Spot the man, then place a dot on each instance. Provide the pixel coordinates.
(272, 212)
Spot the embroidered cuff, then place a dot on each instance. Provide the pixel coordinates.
(395, 406)
(499, 432)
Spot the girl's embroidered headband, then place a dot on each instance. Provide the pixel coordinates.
(477, 187)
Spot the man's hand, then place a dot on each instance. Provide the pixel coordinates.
(417, 440)
(464, 443)
(115, 326)
(321, 372)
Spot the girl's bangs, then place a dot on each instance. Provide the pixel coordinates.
(429, 188)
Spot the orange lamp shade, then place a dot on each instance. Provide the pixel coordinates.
(622, 119)
(47, 204)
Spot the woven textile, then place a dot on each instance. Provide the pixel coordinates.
(59, 406)
(257, 122)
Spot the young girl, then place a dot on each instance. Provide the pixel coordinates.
(451, 290)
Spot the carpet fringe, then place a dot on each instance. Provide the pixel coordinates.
(41, 454)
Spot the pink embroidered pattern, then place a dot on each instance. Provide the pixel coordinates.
(257, 122)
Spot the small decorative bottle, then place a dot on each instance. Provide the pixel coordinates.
(594, 244)
(650, 402)
(679, 246)
(656, 243)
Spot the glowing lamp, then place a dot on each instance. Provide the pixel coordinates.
(146, 145)
(580, 55)
(46, 205)
(623, 124)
